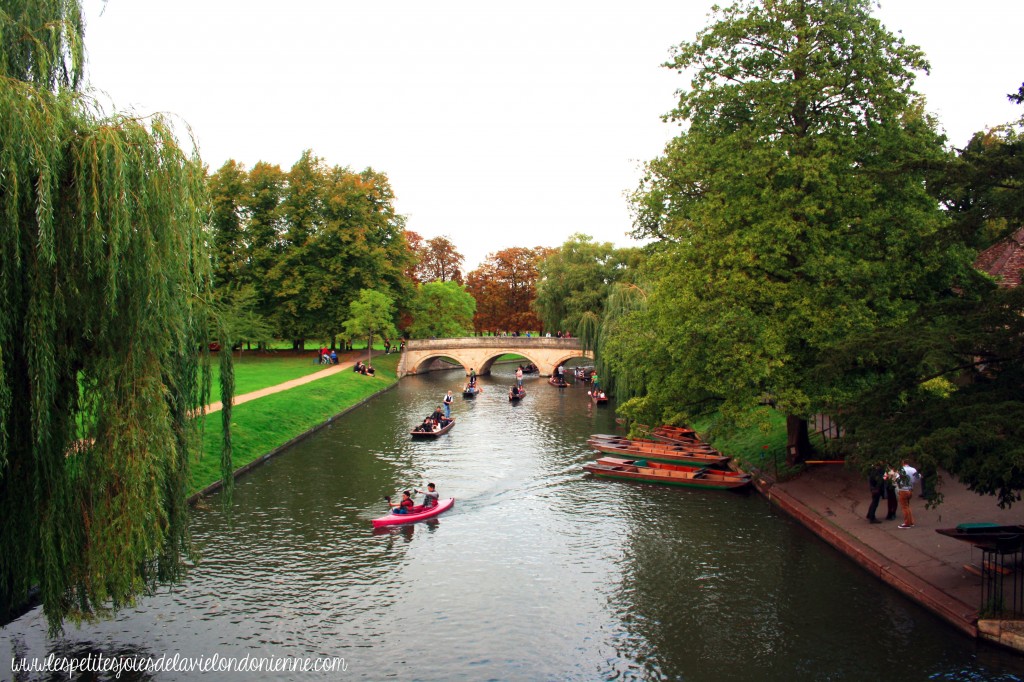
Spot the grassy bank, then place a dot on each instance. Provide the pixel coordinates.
(254, 371)
(260, 426)
(752, 448)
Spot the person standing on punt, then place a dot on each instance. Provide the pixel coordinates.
(448, 399)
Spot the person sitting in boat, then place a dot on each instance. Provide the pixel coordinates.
(403, 507)
(430, 496)
(427, 426)
(438, 414)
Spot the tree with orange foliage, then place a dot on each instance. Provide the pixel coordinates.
(437, 259)
(504, 287)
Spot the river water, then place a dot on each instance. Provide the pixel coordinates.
(538, 573)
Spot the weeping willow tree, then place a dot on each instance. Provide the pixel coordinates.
(103, 268)
(618, 340)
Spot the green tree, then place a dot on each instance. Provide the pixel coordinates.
(577, 279)
(442, 309)
(342, 235)
(983, 187)
(792, 211)
(944, 389)
(371, 315)
(103, 270)
(264, 238)
(227, 189)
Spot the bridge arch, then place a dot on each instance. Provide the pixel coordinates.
(480, 352)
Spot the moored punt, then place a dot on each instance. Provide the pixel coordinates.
(418, 513)
(661, 445)
(670, 456)
(987, 535)
(668, 474)
(675, 434)
(434, 434)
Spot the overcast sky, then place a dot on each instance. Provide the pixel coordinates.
(498, 124)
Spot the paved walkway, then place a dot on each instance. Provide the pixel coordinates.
(919, 562)
(325, 372)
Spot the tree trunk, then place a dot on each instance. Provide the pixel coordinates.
(798, 440)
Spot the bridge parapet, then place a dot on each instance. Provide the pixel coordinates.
(480, 352)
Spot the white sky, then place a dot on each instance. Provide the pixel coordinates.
(498, 125)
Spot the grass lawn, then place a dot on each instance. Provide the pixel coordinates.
(260, 426)
(254, 371)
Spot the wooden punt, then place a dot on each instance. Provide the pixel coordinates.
(667, 474)
(675, 434)
(657, 444)
(434, 434)
(987, 536)
(599, 397)
(556, 381)
(688, 458)
(471, 391)
(513, 396)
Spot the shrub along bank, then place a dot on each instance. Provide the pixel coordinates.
(258, 427)
(752, 448)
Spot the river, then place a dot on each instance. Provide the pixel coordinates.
(538, 573)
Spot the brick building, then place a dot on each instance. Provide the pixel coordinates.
(1004, 260)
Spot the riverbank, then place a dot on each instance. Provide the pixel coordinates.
(923, 565)
(283, 415)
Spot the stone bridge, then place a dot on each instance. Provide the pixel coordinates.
(480, 352)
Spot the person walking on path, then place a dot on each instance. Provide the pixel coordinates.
(876, 484)
(448, 405)
(903, 480)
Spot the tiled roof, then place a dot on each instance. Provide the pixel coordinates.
(1004, 260)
